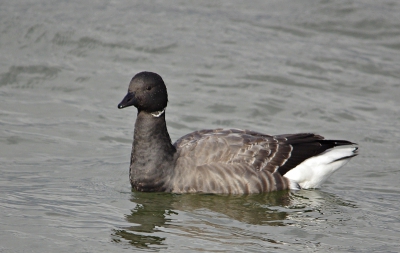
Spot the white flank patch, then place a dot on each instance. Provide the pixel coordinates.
(316, 170)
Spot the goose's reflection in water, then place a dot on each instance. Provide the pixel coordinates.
(157, 214)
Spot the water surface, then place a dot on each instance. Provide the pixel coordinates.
(330, 67)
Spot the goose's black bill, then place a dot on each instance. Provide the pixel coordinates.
(128, 100)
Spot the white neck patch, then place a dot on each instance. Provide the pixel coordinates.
(158, 113)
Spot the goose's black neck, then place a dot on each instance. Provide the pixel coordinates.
(152, 153)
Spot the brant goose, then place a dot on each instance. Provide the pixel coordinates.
(227, 161)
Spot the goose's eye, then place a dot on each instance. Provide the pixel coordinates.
(148, 88)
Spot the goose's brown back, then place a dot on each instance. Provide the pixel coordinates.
(233, 161)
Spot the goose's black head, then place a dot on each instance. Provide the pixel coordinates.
(147, 92)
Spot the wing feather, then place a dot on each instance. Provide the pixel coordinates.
(231, 146)
(259, 151)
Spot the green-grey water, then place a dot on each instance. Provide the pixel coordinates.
(330, 67)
